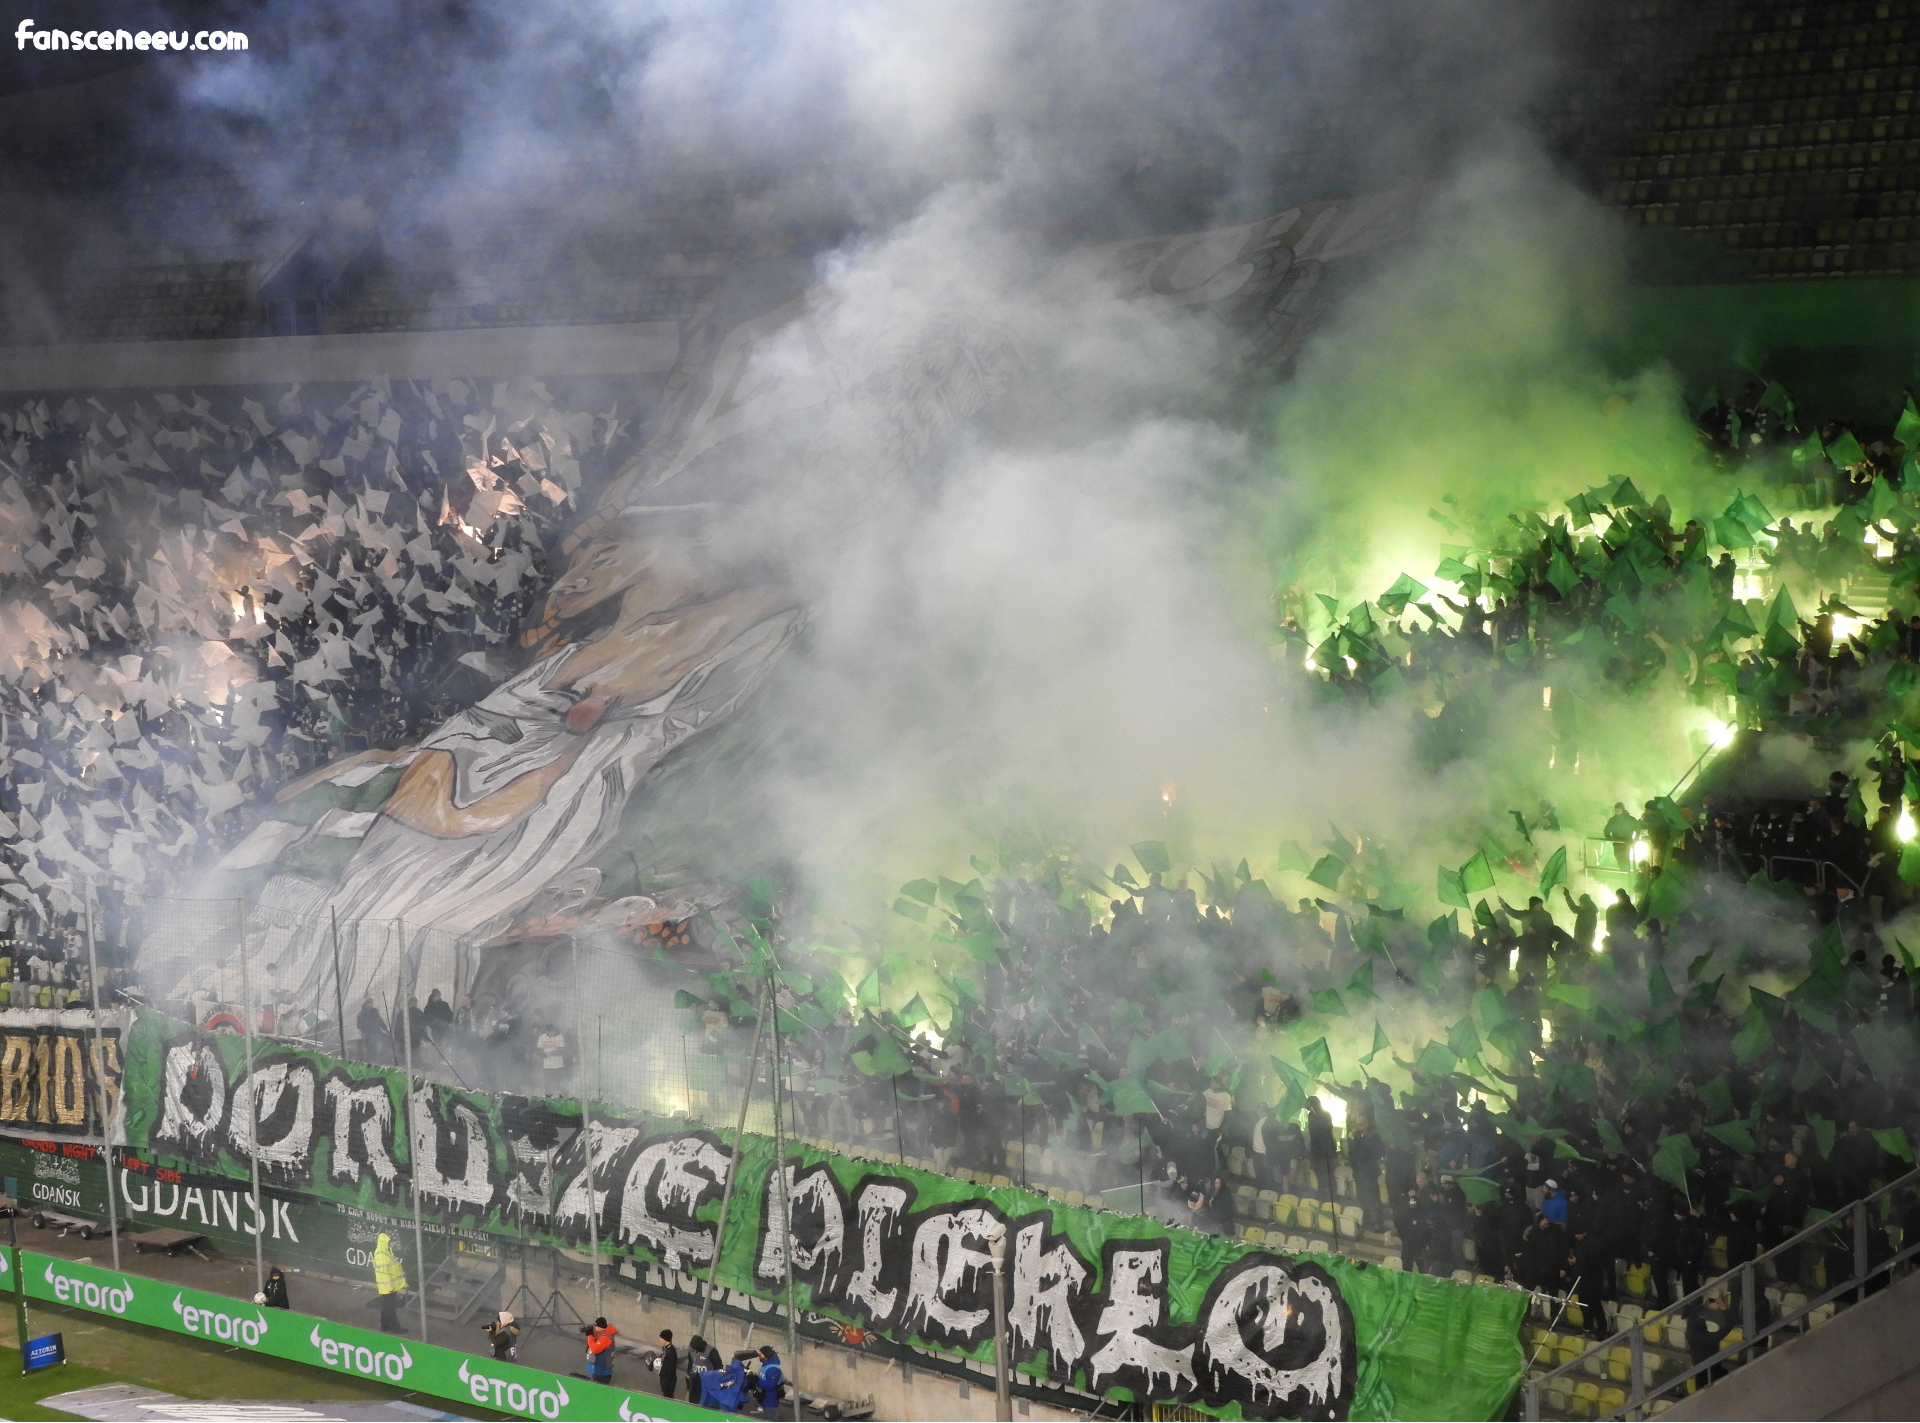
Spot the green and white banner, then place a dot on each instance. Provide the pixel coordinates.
(323, 1344)
(1107, 1303)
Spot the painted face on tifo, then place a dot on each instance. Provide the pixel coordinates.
(653, 572)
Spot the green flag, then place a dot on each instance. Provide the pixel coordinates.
(1673, 1157)
(1317, 1058)
(1893, 1141)
(1152, 855)
(1659, 986)
(1736, 1135)
(1130, 1099)
(1327, 1001)
(1476, 874)
(1561, 574)
(1380, 1043)
(1294, 1078)
(1492, 1007)
(1436, 1060)
(1845, 451)
(1667, 898)
(1405, 589)
(1822, 1134)
(1361, 985)
(1609, 1136)
(1555, 872)
(1717, 1097)
(1907, 431)
(1783, 614)
(1328, 871)
(1463, 1039)
(1477, 1189)
(1754, 1037)
(1451, 891)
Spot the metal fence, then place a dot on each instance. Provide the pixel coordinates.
(1869, 1239)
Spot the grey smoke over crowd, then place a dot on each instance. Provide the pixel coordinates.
(1018, 527)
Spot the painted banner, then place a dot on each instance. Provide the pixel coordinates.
(53, 1067)
(323, 1344)
(1106, 1303)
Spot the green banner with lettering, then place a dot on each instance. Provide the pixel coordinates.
(1107, 1303)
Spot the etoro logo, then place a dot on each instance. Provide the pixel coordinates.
(359, 1359)
(505, 1394)
(218, 1324)
(71, 1289)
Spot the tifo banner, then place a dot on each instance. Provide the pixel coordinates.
(364, 1353)
(1107, 1303)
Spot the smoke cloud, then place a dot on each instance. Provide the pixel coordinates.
(1040, 528)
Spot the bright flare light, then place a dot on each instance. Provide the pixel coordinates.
(1546, 699)
(1720, 733)
(1904, 827)
(1641, 852)
(1336, 1107)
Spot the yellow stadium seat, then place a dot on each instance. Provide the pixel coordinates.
(1253, 1234)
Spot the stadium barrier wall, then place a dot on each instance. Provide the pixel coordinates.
(342, 1348)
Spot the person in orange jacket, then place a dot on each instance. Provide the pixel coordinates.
(600, 1337)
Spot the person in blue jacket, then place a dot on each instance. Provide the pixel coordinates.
(768, 1382)
(1554, 1206)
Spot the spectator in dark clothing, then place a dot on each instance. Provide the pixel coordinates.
(1591, 1262)
(1489, 1250)
(1515, 1218)
(700, 1355)
(437, 1017)
(1320, 1146)
(669, 1364)
(1543, 1256)
(1364, 1153)
(375, 1043)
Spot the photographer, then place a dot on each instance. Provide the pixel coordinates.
(600, 1336)
(769, 1382)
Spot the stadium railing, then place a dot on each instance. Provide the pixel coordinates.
(1643, 1397)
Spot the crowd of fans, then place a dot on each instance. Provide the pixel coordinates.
(1656, 1083)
